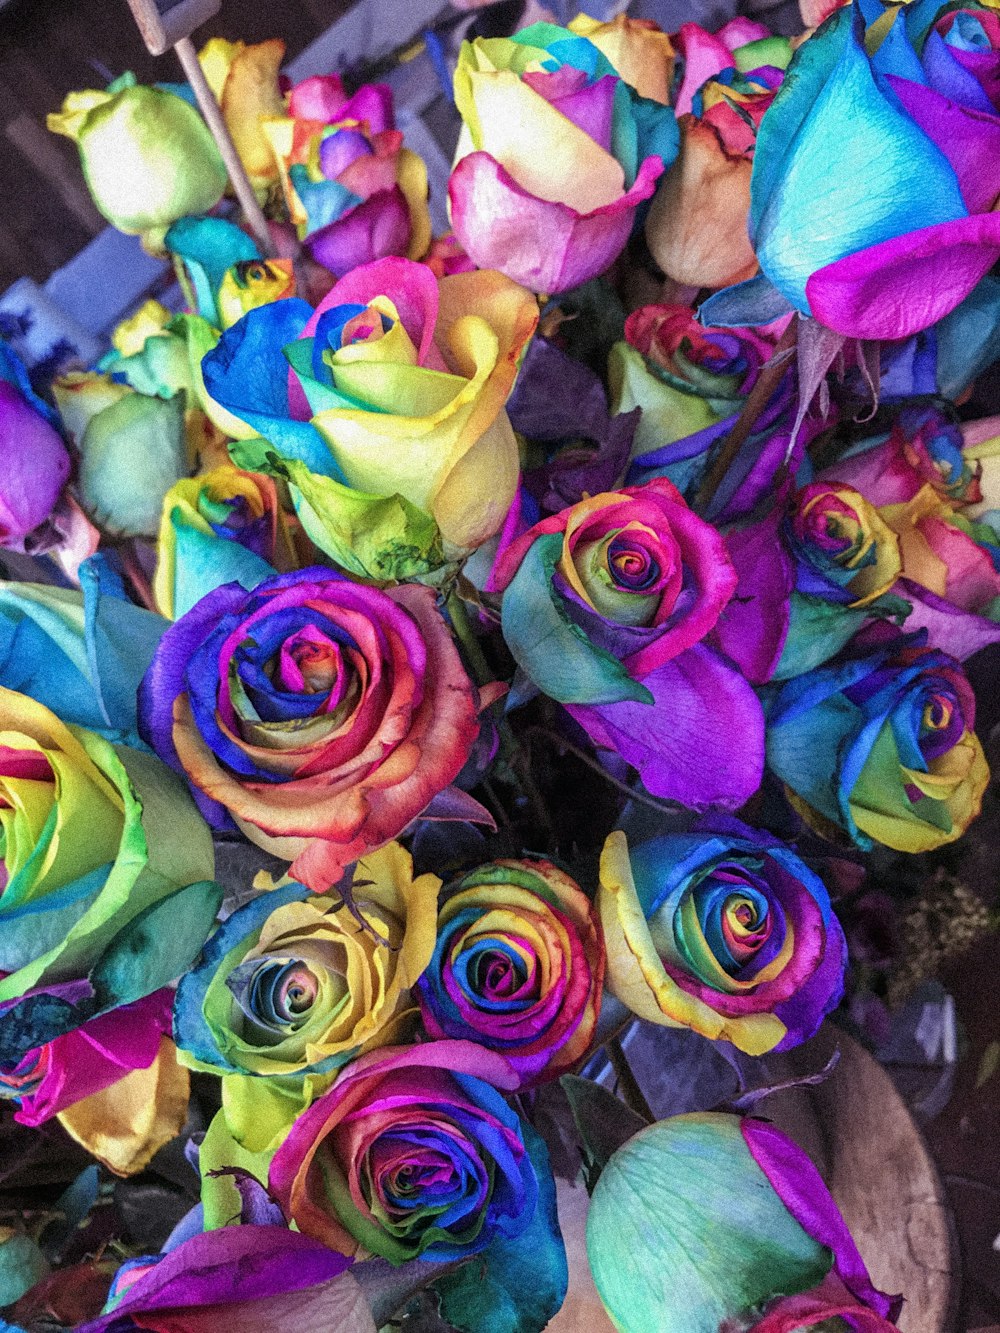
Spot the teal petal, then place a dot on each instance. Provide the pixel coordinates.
(22, 1264)
(686, 1234)
(817, 629)
(324, 201)
(157, 946)
(747, 304)
(513, 1286)
(205, 562)
(968, 340)
(131, 454)
(209, 246)
(549, 647)
(82, 654)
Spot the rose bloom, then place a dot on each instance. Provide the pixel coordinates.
(723, 930)
(411, 1152)
(352, 189)
(537, 190)
(517, 967)
(733, 1214)
(317, 715)
(880, 744)
(397, 385)
(606, 606)
(293, 986)
(36, 463)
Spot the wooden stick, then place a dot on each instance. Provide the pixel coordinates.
(212, 112)
(756, 401)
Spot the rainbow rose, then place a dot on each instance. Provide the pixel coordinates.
(223, 526)
(517, 967)
(924, 448)
(397, 387)
(729, 1211)
(352, 189)
(91, 838)
(950, 572)
(880, 744)
(723, 930)
(412, 1152)
(293, 986)
(556, 153)
(606, 606)
(918, 115)
(318, 715)
(811, 572)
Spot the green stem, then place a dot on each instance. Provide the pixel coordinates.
(467, 638)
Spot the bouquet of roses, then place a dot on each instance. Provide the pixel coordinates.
(447, 655)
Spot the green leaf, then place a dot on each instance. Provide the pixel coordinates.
(604, 1121)
(549, 648)
(157, 946)
(513, 1286)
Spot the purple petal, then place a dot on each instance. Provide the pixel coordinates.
(683, 744)
(376, 228)
(956, 632)
(753, 627)
(589, 107)
(970, 140)
(800, 1188)
(338, 151)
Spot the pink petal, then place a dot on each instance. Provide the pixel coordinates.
(704, 55)
(318, 98)
(547, 247)
(905, 284)
(740, 31)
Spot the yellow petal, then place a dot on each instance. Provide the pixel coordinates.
(216, 59)
(639, 51)
(251, 95)
(545, 152)
(411, 176)
(75, 109)
(124, 1125)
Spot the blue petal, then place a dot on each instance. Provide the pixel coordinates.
(209, 246)
(857, 173)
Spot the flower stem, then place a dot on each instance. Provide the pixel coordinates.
(474, 654)
(757, 400)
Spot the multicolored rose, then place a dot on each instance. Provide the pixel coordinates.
(293, 986)
(811, 572)
(517, 967)
(222, 526)
(723, 930)
(397, 385)
(91, 838)
(352, 189)
(733, 1214)
(880, 744)
(556, 154)
(412, 1152)
(606, 607)
(318, 715)
(916, 115)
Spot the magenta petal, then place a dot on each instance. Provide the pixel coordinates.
(970, 140)
(905, 284)
(99, 1054)
(35, 466)
(753, 627)
(704, 55)
(741, 31)
(956, 632)
(377, 227)
(700, 742)
(318, 98)
(547, 247)
(800, 1188)
(589, 106)
(371, 105)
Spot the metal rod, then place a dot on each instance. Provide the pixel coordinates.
(212, 112)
